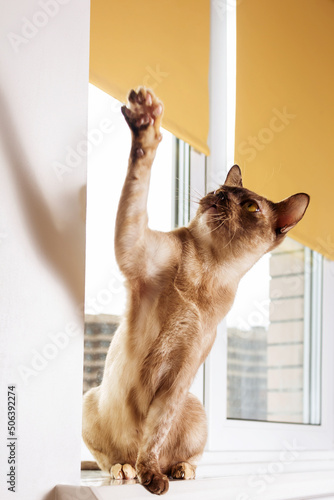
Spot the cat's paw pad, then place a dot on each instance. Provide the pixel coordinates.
(125, 471)
(144, 111)
(155, 482)
(183, 470)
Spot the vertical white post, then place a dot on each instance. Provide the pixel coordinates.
(222, 87)
(221, 142)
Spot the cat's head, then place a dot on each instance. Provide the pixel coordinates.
(235, 219)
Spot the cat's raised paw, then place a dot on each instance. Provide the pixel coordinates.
(125, 471)
(183, 470)
(143, 114)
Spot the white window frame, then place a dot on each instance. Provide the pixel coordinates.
(211, 383)
(242, 441)
(248, 455)
(230, 434)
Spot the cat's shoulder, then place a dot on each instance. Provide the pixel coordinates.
(181, 236)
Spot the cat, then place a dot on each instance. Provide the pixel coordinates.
(142, 421)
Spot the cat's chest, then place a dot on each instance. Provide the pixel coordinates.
(207, 287)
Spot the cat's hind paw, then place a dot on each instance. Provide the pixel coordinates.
(143, 114)
(183, 470)
(125, 471)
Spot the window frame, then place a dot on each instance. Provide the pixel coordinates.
(230, 434)
(211, 382)
(236, 439)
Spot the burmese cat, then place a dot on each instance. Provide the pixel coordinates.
(142, 421)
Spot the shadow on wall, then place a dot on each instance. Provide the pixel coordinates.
(60, 247)
(50, 495)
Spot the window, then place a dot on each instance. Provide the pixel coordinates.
(274, 339)
(240, 430)
(273, 332)
(262, 380)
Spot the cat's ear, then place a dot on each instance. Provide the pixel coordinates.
(234, 177)
(290, 211)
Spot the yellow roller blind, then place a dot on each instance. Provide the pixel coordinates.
(285, 107)
(162, 44)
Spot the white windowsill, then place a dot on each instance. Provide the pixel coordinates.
(244, 476)
(288, 487)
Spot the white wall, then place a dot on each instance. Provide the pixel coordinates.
(43, 113)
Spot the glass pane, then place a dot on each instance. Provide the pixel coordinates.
(271, 371)
(107, 165)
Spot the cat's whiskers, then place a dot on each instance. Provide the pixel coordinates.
(193, 195)
(221, 224)
(228, 243)
(195, 201)
(197, 193)
(215, 218)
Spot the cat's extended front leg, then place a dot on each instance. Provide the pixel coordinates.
(162, 412)
(134, 241)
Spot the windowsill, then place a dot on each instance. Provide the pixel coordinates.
(259, 476)
(290, 486)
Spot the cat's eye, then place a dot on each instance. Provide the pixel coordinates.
(251, 206)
